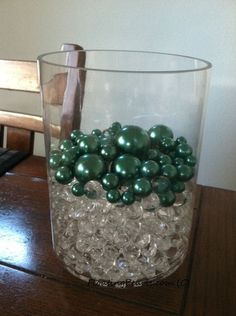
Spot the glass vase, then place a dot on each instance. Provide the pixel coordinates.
(123, 133)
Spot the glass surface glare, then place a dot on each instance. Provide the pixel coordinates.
(89, 91)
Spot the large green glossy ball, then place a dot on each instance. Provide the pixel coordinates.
(183, 150)
(185, 172)
(110, 181)
(133, 140)
(126, 166)
(89, 167)
(163, 185)
(169, 171)
(158, 131)
(128, 197)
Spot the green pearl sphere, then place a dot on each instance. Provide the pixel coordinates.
(166, 143)
(128, 197)
(164, 159)
(180, 140)
(66, 144)
(75, 135)
(157, 132)
(178, 161)
(163, 185)
(167, 198)
(185, 172)
(149, 169)
(190, 161)
(183, 150)
(126, 166)
(169, 171)
(177, 186)
(55, 160)
(88, 144)
(113, 196)
(142, 187)
(133, 140)
(89, 167)
(69, 156)
(108, 152)
(63, 175)
(78, 189)
(115, 127)
(153, 154)
(96, 132)
(110, 181)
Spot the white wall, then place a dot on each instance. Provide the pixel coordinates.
(205, 29)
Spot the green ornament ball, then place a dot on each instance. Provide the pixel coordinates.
(63, 175)
(183, 150)
(68, 157)
(167, 199)
(96, 132)
(190, 161)
(162, 185)
(180, 140)
(150, 169)
(126, 166)
(110, 181)
(65, 144)
(108, 152)
(55, 160)
(113, 196)
(153, 154)
(157, 132)
(128, 197)
(142, 187)
(89, 167)
(88, 144)
(178, 161)
(166, 143)
(133, 140)
(75, 135)
(177, 186)
(164, 159)
(169, 171)
(78, 189)
(185, 172)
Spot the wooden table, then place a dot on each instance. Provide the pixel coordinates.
(34, 283)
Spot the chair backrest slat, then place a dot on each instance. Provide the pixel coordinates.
(19, 75)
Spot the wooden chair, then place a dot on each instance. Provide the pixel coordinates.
(21, 75)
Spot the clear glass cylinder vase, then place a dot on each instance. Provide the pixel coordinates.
(123, 132)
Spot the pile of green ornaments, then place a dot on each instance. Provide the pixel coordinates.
(130, 157)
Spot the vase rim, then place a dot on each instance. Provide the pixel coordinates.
(205, 65)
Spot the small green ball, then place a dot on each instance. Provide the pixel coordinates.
(126, 166)
(66, 144)
(89, 167)
(150, 169)
(110, 181)
(133, 140)
(96, 132)
(177, 186)
(89, 144)
(106, 141)
(68, 157)
(75, 135)
(142, 187)
(164, 159)
(78, 189)
(180, 140)
(163, 185)
(115, 127)
(190, 161)
(113, 196)
(63, 175)
(185, 172)
(153, 154)
(167, 198)
(55, 160)
(108, 152)
(157, 132)
(183, 150)
(128, 197)
(178, 161)
(169, 171)
(166, 143)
